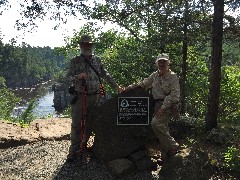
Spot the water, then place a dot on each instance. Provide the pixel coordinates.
(44, 97)
(45, 106)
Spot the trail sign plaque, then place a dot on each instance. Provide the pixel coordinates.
(133, 111)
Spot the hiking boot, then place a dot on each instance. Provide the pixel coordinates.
(71, 157)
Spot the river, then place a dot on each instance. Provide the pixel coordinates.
(44, 96)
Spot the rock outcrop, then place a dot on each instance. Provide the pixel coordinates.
(61, 96)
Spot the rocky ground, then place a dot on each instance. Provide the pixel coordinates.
(46, 160)
(39, 152)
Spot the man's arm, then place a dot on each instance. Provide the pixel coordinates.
(146, 83)
(174, 95)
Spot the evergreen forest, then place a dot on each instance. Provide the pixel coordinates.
(25, 66)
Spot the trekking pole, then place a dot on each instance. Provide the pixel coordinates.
(83, 133)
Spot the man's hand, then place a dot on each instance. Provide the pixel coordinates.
(120, 89)
(130, 87)
(82, 76)
(159, 113)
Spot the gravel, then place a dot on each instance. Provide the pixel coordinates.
(46, 160)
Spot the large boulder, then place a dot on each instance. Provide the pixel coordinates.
(114, 141)
(61, 96)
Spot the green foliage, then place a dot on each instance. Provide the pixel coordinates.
(196, 84)
(7, 101)
(67, 112)
(121, 55)
(229, 109)
(231, 53)
(27, 116)
(60, 76)
(197, 88)
(72, 47)
(24, 66)
(232, 158)
(129, 60)
(218, 137)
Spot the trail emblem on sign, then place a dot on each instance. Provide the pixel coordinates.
(133, 111)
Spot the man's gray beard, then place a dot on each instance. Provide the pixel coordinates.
(87, 52)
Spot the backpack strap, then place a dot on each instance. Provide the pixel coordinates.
(102, 89)
(91, 66)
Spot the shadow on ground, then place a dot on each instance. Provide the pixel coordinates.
(95, 170)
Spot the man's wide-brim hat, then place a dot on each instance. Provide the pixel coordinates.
(85, 39)
(163, 57)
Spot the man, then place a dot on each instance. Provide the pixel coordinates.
(87, 68)
(166, 93)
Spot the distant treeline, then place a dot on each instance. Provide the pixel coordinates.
(24, 66)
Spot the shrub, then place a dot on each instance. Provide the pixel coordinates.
(232, 158)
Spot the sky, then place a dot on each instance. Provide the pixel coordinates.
(44, 35)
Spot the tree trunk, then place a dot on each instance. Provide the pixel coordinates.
(216, 58)
(184, 59)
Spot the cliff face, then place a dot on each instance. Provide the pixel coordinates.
(61, 96)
